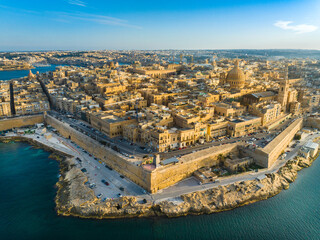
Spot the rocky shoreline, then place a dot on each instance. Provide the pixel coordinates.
(74, 198)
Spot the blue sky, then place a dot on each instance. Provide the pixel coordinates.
(98, 24)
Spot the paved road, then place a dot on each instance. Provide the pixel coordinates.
(124, 146)
(136, 151)
(96, 171)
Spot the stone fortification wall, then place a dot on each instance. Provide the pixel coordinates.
(161, 177)
(266, 156)
(313, 122)
(17, 122)
(168, 175)
(110, 157)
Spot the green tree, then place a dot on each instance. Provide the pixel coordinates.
(221, 159)
(297, 137)
(242, 169)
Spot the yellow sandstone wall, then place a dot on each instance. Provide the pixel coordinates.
(313, 122)
(20, 122)
(266, 156)
(110, 157)
(161, 177)
(166, 176)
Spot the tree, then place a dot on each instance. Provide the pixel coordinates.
(221, 159)
(297, 137)
(242, 169)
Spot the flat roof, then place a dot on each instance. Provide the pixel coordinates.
(169, 160)
(312, 145)
(263, 94)
(277, 140)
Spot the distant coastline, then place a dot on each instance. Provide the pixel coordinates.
(7, 75)
(16, 68)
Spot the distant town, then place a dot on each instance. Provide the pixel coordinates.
(159, 124)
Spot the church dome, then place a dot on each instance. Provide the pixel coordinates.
(236, 77)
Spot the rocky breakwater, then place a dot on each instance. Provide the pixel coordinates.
(75, 198)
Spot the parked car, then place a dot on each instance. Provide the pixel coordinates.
(109, 168)
(99, 195)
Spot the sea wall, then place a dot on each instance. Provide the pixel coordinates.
(17, 122)
(33, 142)
(76, 199)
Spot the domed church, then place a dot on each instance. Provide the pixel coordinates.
(236, 78)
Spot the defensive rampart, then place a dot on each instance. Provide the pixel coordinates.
(110, 157)
(313, 122)
(17, 122)
(161, 177)
(166, 176)
(266, 156)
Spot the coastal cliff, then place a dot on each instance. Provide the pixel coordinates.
(76, 199)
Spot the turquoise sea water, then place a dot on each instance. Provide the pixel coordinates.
(7, 75)
(28, 177)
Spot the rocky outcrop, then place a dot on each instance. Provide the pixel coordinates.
(75, 198)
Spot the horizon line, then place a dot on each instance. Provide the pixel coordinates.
(163, 49)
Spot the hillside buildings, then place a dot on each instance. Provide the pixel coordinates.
(164, 106)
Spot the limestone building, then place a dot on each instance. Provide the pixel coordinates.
(268, 111)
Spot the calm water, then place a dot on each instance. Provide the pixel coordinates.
(27, 179)
(7, 75)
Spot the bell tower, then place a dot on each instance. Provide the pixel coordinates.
(283, 91)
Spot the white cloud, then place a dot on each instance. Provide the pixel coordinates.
(78, 3)
(299, 29)
(95, 18)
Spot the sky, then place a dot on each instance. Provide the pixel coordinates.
(27, 25)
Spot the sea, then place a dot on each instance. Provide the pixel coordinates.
(8, 75)
(27, 209)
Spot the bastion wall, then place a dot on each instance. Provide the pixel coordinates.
(110, 157)
(159, 178)
(163, 176)
(166, 176)
(266, 156)
(17, 122)
(313, 122)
